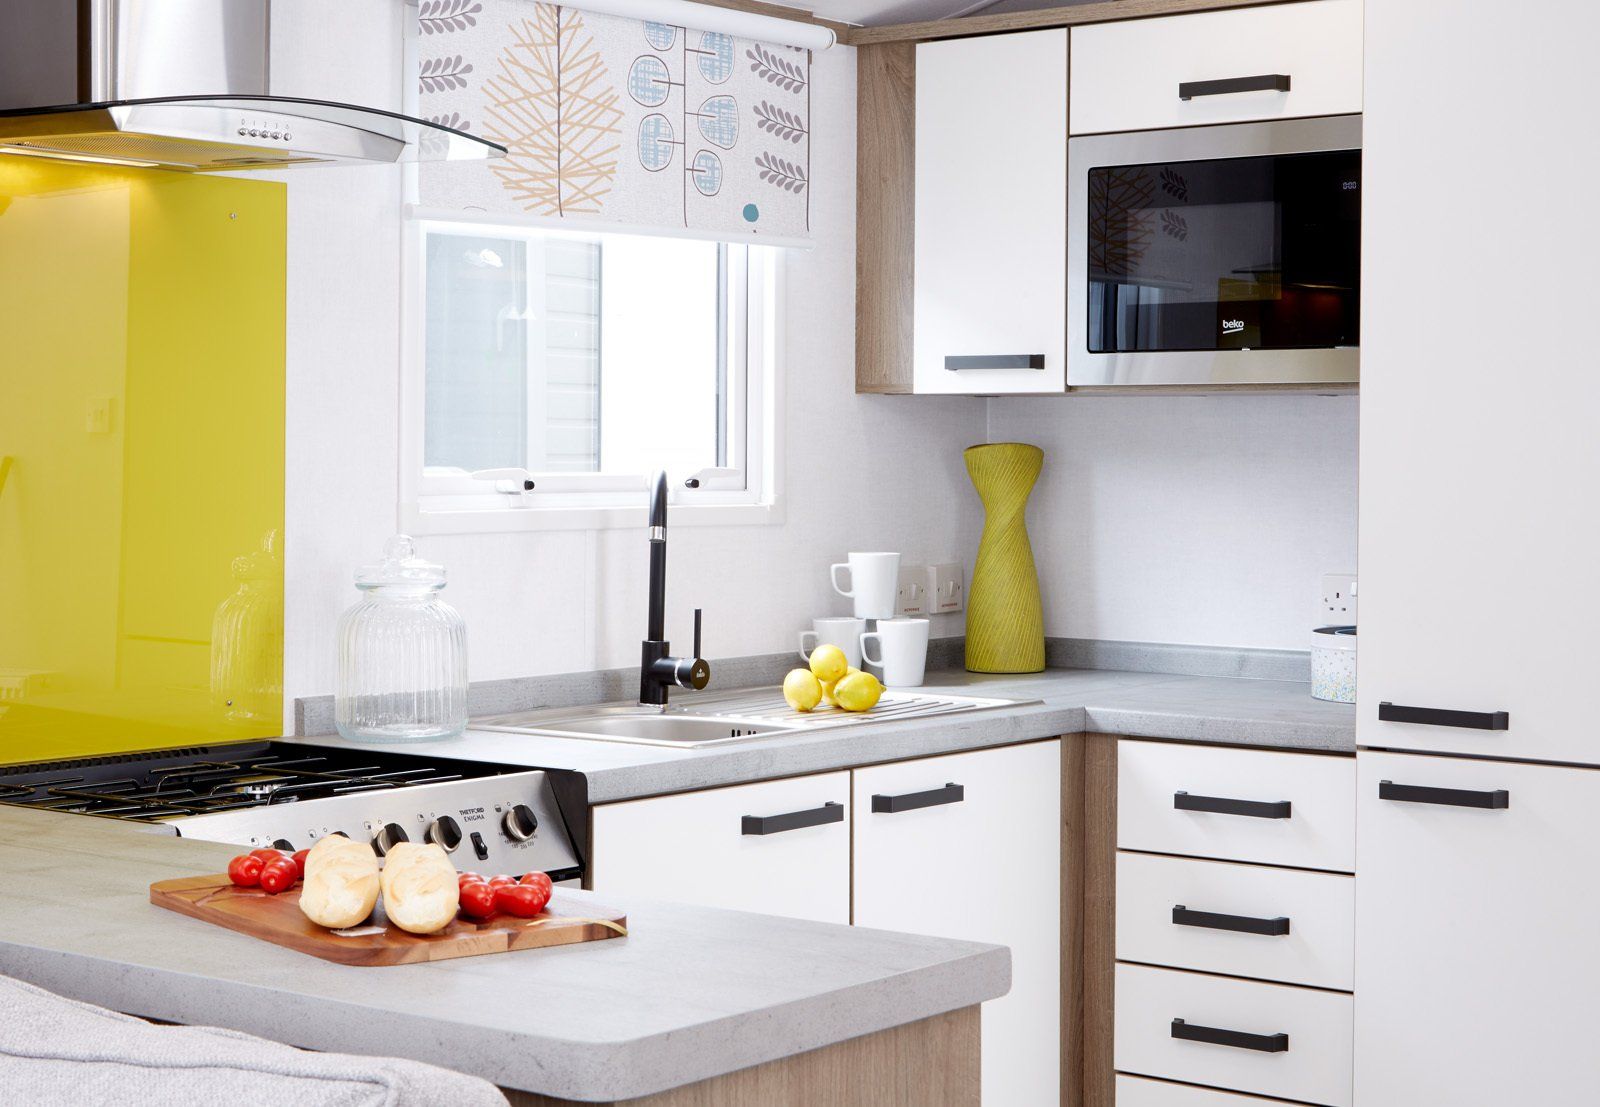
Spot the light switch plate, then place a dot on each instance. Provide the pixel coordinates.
(912, 597)
(1336, 605)
(945, 590)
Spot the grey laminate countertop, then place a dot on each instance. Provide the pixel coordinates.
(692, 993)
(1278, 714)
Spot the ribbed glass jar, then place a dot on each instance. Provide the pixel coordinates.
(402, 672)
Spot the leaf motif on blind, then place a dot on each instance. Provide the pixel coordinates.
(785, 124)
(443, 74)
(1175, 185)
(1175, 225)
(771, 66)
(787, 175)
(453, 120)
(553, 106)
(440, 17)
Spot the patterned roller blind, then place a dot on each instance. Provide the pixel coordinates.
(610, 119)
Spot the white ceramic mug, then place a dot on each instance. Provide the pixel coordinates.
(874, 583)
(902, 650)
(844, 632)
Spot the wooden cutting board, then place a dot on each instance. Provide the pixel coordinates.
(278, 919)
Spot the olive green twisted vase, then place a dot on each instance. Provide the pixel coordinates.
(1005, 620)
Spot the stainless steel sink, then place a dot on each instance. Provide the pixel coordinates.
(720, 718)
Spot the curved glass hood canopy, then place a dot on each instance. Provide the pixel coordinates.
(185, 85)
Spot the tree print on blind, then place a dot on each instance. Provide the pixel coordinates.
(1119, 232)
(554, 107)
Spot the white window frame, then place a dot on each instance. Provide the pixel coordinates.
(456, 503)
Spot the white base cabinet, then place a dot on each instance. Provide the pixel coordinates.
(1476, 933)
(698, 847)
(984, 865)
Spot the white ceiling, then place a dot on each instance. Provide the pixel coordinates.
(873, 12)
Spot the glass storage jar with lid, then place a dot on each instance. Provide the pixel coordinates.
(402, 671)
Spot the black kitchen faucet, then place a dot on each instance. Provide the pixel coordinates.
(658, 669)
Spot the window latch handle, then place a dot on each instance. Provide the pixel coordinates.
(511, 481)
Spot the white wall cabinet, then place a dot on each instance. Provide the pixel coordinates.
(990, 267)
(1126, 75)
(1475, 928)
(700, 847)
(985, 867)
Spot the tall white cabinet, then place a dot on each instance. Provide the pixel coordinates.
(1475, 879)
(990, 271)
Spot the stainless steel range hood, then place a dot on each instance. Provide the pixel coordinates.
(185, 85)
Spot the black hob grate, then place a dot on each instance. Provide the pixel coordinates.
(199, 780)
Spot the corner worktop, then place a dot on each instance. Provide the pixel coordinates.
(691, 994)
(1277, 714)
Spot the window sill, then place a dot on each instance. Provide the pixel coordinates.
(417, 519)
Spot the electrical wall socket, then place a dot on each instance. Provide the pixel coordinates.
(1337, 605)
(912, 598)
(945, 592)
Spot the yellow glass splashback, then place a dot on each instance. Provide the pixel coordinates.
(141, 458)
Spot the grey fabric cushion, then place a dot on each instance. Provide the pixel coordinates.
(55, 1050)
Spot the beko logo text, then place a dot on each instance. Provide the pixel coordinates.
(1232, 326)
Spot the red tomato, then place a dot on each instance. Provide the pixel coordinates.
(522, 900)
(538, 880)
(477, 899)
(299, 860)
(501, 880)
(278, 876)
(267, 855)
(463, 879)
(245, 870)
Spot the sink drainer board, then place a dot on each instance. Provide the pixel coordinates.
(277, 919)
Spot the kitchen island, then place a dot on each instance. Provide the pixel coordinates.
(693, 995)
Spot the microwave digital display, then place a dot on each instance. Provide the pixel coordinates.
(1260, 252)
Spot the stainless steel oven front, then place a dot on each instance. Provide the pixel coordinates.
(1215, 255)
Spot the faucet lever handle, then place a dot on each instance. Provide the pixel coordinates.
(697, 652)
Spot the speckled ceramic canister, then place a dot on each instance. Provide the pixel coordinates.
(1005, 620)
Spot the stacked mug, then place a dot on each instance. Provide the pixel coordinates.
(872, 634)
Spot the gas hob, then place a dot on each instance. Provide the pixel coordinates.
(500, 818)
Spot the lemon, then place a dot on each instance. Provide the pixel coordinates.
(802, 689)
(858, 692)
(829, 663)
(829, 685)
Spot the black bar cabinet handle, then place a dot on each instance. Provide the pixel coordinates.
(829, 812)
(1497, 800)
(1243, 924)
(994, 361)
(1441, 716)
(911, 801)
(1220, 805)
(1264, 82)
(1238, 1039)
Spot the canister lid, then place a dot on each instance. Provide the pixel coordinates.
(400, 566)
(1333, 638)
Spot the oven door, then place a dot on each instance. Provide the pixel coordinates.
(1215, 255)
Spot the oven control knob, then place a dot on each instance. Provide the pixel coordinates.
(445, 832)
(389, 835)
(520, 823)
(283, 844)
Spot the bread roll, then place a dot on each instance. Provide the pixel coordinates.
(341, 884)
(420, 891)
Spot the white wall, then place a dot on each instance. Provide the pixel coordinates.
(861, 472)
(1204, 520)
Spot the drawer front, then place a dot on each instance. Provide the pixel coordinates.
(1237, 805)
(1244, 920)
(698, 847)
(1141, 1091)
(1126, 76)
(1315, 1063)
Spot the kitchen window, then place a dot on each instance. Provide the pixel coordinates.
(581, 363)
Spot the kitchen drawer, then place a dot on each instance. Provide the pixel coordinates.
(1316, 1064)
(1319, 909)
(694, 847)
(1125, 75)
(1318, 831)
(1141, 1091)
